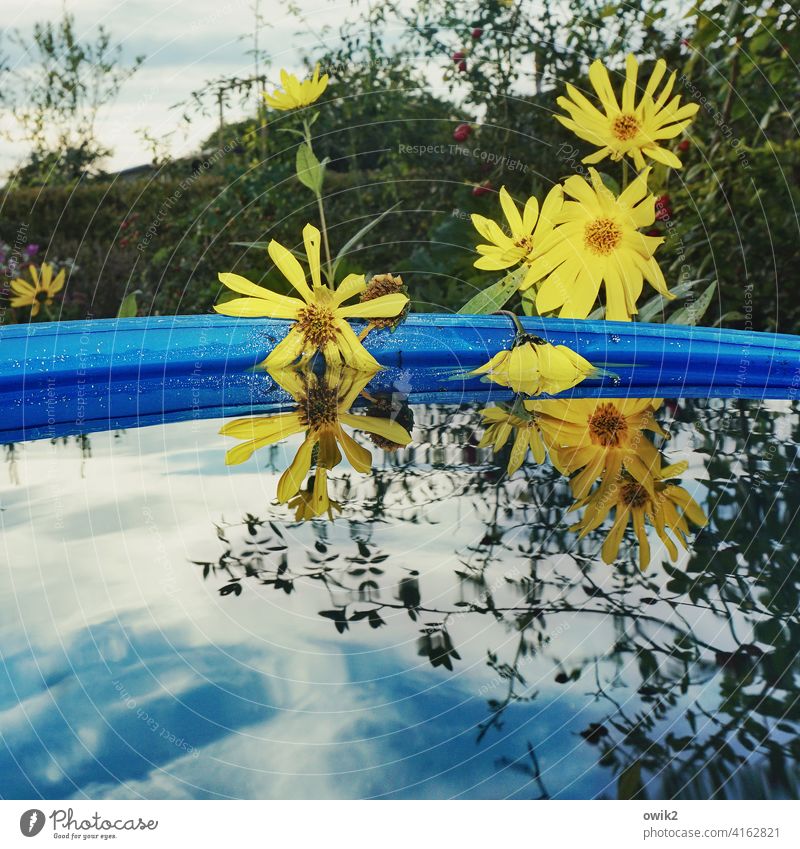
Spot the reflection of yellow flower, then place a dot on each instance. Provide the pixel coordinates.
(323, 407)
(501, 423)
(42, 291)
(320, 318)
(600, 437)
(527, 231)
(628, 129)
(633, 503)
(295, 93)
(596, 242)
(536, 366)
(313, 501)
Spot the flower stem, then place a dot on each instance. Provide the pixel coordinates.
(514, 318)
(624, 174)
(321, 208)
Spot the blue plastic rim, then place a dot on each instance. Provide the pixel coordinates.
(81, 376)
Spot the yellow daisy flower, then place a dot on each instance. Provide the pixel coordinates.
(597, 242)
(599, 437)
(527, 231)
(42, 291)
(296, 94)
(628, 129)
(667, 507)
(534, 366)
(323, 404)
(320, 319)
(502, 423)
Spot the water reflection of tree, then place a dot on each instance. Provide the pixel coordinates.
(699, 683)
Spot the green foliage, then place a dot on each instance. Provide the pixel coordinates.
(388, 144)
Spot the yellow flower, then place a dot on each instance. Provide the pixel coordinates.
(320, 318)
(324, 401)
(295, 93)
(601, 437)
(634, 503)
(597, 241)
(528, 230)
(628, 129)
(502, 423)
(534, 366)
(42, 291)
(313, 501)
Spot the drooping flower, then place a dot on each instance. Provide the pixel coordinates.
(667, 507)
(320, 319)
(314, 501)
(323, 407)
(599, 437)
(527, 231)
(597, 242)
(501, 423)
(533, 366)
(42, 291)
(628, 128)
(295, 93)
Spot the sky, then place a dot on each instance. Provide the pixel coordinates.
(185, 43)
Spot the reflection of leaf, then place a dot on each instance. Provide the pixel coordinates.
(339, 619)
(630, 785)
(436, 645)
(594, 733)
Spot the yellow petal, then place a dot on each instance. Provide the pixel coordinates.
(292, 479)
(352, 285)
(290, 268)
(387, 428)
(358, 456)
(386, 306)
(311, 239)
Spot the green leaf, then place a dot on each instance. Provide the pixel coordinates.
(310, 171)
(657, 303)
(692, 313)
(492, 299)
(529, 302)
(129, 308)
(261, 245)
(360, 235)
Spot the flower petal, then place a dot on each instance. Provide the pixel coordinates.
(290, 268)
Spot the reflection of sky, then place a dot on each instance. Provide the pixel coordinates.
(125, 674)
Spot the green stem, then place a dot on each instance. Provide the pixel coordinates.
(517, 323)
(322, 222)
(625, 167)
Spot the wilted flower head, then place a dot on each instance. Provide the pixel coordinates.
(534, 366)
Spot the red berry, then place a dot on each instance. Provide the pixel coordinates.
(462, 66)
(462, 132)
(684, 145)
(477, 33)
(484, 188)
(663, 209)
(458, 55)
